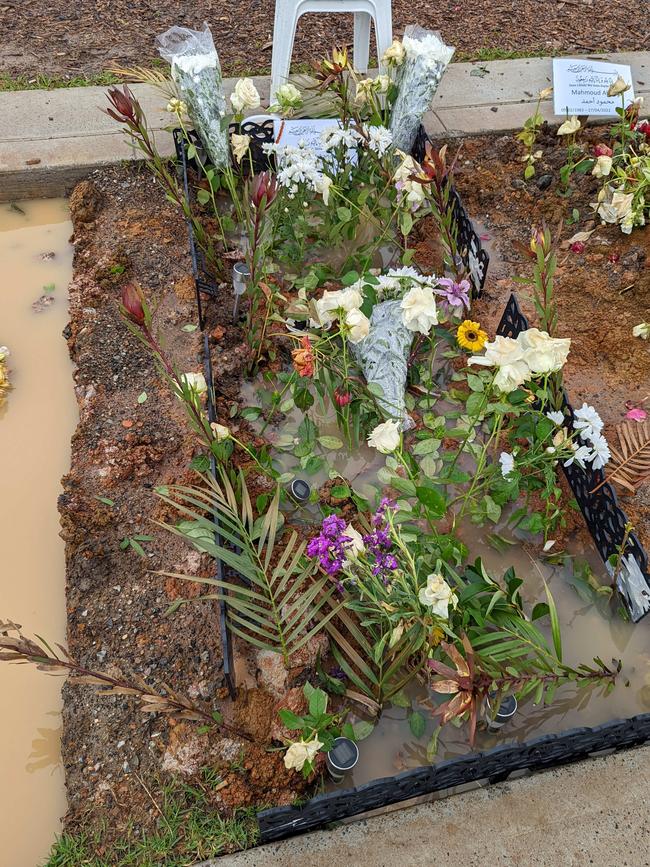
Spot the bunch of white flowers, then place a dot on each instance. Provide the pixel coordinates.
(299, 166)
(344, 304)
(589, 425)
(413, 192)
(533, 353)
(380, 139)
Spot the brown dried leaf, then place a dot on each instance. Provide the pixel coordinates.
(631, 458)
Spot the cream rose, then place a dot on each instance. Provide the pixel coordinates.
(602, 167)
(507, 355)
(245, 95)
(289, 96)
(438, 596)
(301, 752)
(617, 87)
(542, 353)
(355, 545)
(395, 54)
(415, 192)
(220, 431)
(570, 126)
(240, 145)
(358, 325)
(382, 83)
(419, 309)
(385, 437)
(196, 382)
(322, 187)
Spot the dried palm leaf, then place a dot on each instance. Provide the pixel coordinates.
(144, 75)
(631, 460)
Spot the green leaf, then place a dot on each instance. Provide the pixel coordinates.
(406, 486)
(344, 214)
(417, 724)
(341, 492)
(433, 501)
(400, 699)
(362, 729)
(105, 501)
(329, 442)
(200, 463)
(349, 277)
(290, 720)
(203, 197)
(49, 288)
(432, 746)
(317, 703)
(475, 382)
(189, 328)
(142, 396)
(555, 623)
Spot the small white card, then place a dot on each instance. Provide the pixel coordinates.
(580, 86)
(304, 130)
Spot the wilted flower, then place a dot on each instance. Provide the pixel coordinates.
(438, 596)
(244, 95)
(303, 358)
(618, 86)
(220, 431)
(358, 325)
(394, 54)
(642, 330)
(602, 166)
(538, 240)
(301, 752)
(545, 93)
(577, 247)
(240, 145)
(364, 89)
(414, 192)
(570, 126)
(322, 187)
(385, 437)
(382, 83)
(355, 546)
(132, 304)
(263, 190)
(418, 308)
(601, 150)
(342, 398)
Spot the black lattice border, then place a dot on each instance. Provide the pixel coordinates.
(603, 515)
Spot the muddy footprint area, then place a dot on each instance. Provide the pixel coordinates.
(133, 437)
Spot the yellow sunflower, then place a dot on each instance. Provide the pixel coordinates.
(471, 336)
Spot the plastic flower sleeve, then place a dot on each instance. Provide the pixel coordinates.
(427, 57)
(383, 357)
(197, 72)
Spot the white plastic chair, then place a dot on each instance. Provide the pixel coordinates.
(287, 13)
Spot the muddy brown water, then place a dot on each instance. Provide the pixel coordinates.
(588, 630)
(36, 425)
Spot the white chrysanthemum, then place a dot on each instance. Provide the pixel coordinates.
(581, 455)
(556, 416)
(379, 139)
(587, 421)
(600, 453)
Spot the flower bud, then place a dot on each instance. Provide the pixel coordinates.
(263, 190)
(342, 398)
(132, 306)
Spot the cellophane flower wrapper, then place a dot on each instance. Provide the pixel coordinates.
(197, 72)
(383, 358)
(427, 57)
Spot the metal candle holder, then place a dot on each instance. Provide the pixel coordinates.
(240, 277)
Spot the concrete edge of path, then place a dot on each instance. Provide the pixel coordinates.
(591, 813)
(57, 137)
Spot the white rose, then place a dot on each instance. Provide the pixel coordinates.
(602, 167)
(394, 54)
(358, 324)
(385, 437)
(301, 752)
(438, 595)
(240, 145)
(288, 95)
(507, 355)
(622, 203)
(543, 354)
(569, 127)
(342, 299)
(382, 83)
(617, 87)
(419, 309)
(220, 431)
(196, 382)
(355, 545)
(245, 95)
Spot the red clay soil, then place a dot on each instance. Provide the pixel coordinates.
(58, 38)
(122, 449)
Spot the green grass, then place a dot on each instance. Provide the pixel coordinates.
(188, 830)
(487, 54)
(52, 82)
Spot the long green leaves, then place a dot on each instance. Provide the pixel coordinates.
(281, 603)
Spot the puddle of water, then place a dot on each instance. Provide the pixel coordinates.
(35, 430)
(586, 632)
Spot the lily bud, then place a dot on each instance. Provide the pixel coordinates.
(132, 306)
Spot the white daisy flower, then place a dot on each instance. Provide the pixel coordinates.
(587, 421)
(600, 453)
(580, 456)
(556, 416)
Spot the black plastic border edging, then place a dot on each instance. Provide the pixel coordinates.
(494, 766)
(605, 519)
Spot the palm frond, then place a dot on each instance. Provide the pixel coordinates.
(144, 75)
(285, 603)
(631, 459)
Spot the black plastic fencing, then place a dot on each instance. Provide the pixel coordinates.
(493, 766)
(603, 515)
(606, 522)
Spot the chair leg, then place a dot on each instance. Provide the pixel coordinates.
(361, 40)
(383, 27)
(284, 32)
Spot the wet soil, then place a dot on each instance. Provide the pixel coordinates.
(63, 39)
(126, 445)
(601, 293)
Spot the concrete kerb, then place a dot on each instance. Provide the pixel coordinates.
(57, 137)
